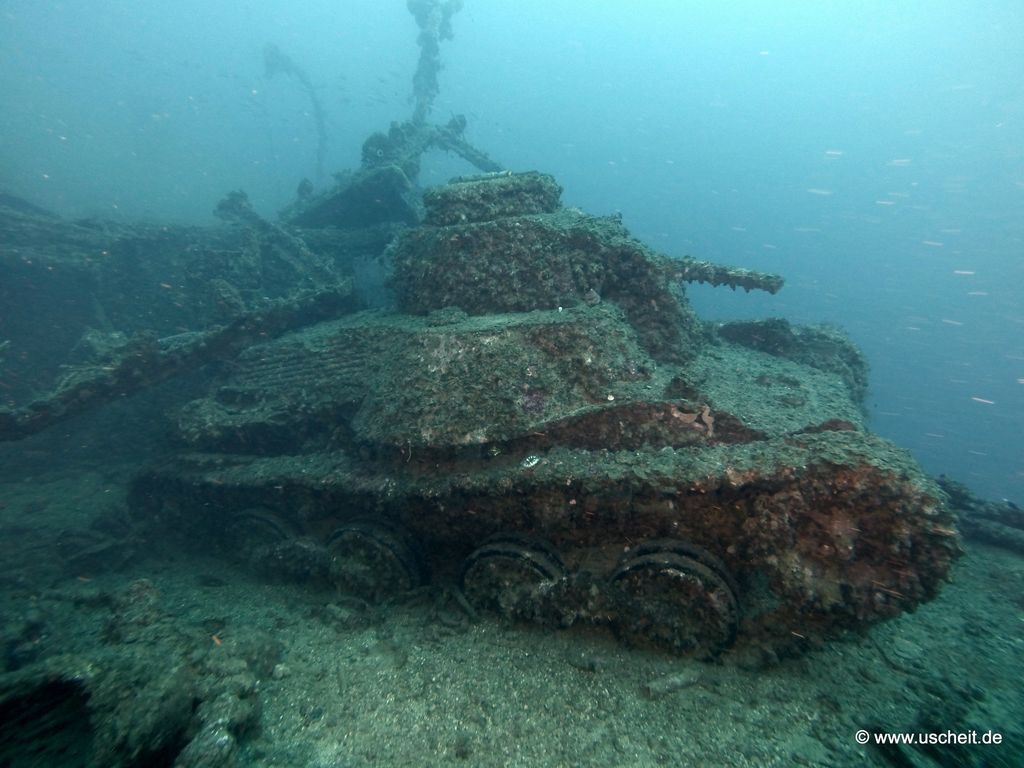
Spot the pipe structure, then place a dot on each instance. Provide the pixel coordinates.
(277, 61)
(434, 19)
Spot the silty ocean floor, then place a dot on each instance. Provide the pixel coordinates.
(157, 648)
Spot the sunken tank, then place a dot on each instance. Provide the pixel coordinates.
(545, 428)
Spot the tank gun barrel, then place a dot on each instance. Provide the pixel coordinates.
(694, 271)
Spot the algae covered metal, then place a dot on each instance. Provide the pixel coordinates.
(546, 426)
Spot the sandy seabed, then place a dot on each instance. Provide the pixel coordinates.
(303, 677)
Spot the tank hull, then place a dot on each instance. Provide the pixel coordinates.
(546, 428)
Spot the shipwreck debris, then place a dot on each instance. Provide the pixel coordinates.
(144, 360)
(998, 523)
